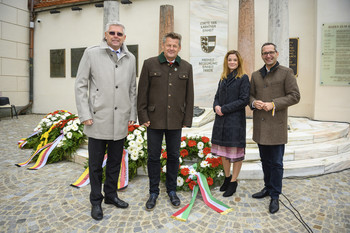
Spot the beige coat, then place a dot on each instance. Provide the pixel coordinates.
(279, 86)
(105, 91)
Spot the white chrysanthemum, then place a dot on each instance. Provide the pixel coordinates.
(60, 144)
(183, 144)
(134, 157)
(63, 117)
(80, 132)
(65, 131)
(137, 132)
(200, 145)
(141, 153)
(64, 138)
(163, 147)
(180, 160)
(130, 137)
(192, 171)
(200, 154)
(131, 149)
(139, 146)
(49, 123)
(70, 122)
(66, 114)
(142, 128)
(145, 136)
(180, 181)
(209, 144)
(183, 166)
(139, 139)
(49, 116)
(75, 127)
(77, 121)
(221, 173)
(54, 118)
(69, 135)
(37, 128)
(132, 143)
(164, 169)
(204, 164)
(209, 155)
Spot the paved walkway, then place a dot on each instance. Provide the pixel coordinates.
(43, 201)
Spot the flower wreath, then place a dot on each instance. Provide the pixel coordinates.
(192, 150)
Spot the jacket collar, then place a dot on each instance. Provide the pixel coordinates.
(162, 58)
(263, 70)
(123, 49)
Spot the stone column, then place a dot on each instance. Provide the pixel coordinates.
(279, 28)
(110, 12)
(246, 35)
(166, 22)
(246, 38)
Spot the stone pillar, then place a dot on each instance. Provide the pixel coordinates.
(246, 38)
(279, 28)
(110, 12)
(246, 35)
(166, 22)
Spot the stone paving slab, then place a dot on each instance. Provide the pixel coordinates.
(43, 201)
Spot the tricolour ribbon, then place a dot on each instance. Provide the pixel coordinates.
(123, 174)
(24, 141)
(209, 200)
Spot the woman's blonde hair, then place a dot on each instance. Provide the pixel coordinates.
(240, 68)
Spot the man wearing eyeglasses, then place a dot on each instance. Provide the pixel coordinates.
(273, 89)
(165, 106)
(105, 92)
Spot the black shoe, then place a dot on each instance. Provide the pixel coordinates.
(261, 194)
(152, 200)
(226, 183)
(174, 199)
(231, 189)
(274, 206)
(96, 212)
(117, 202)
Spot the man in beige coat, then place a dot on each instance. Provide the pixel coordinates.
(105, 93)
(273, 89)
(165, 106)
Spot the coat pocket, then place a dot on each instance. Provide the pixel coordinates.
(155, 74)
(183, 76)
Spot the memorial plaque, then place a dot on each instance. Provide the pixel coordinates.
(134, 49)
(57, 63)
(293, 55)
(335, 57)
(75, 55)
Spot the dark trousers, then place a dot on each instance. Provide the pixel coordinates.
(154, 143)
(272, 165)
(97, 150)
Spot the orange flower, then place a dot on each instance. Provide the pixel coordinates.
(210, 181)
(192, 184)
(206, 150)
(164, 155)
(184, 153)
(192, 143)
(205, 139)
(185, 171)
(183, 138)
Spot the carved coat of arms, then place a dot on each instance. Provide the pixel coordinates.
(208, 43)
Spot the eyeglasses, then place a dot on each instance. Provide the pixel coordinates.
(268, 53)
(112, 33)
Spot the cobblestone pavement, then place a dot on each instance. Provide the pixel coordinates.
(43, 201)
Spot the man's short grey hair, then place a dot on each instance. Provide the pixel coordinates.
(115, 23)
(172, 35)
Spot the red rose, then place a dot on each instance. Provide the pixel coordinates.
(206, 150)
(183, 138)
(210, 181)
(184, 153)
(131, 128)
(164, 155)
(205, 139)
(192, 143)
(185, 171)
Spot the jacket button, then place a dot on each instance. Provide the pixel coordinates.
(116, 66)
(169, 73)
(169, 95)
(116, 86)
(94, 112)
(262, 119)
(115, 108)
(170, 84)
(96, 89)
(168, 106)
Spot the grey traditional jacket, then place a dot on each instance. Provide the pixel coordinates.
(165, 93)
(278, 86)
(105, 91)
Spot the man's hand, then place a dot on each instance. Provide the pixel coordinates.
(88, 122)
(258, 104)
(268, 106)
(148, 123)
(131, 122)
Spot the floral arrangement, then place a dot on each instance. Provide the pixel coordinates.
(195, 149)
(53, 125)
(136, 144)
